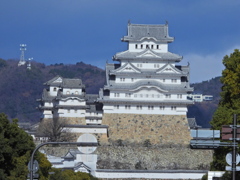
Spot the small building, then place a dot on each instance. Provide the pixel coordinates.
(66, 98)
(200, 97)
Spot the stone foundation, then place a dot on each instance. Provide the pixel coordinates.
(153, 158)
(136, 128)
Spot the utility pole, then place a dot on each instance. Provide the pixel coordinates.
(234, 127)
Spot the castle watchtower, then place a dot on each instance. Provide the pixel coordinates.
(146, 94)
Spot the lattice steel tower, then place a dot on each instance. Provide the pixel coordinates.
(22, 49)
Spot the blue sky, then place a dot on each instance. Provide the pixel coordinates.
(70, 31)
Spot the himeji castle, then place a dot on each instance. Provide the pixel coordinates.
(146, 79)
(146, 91)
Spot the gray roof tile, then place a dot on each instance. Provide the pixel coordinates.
(136, 32)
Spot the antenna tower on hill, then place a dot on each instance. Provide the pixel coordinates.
(22, 49)
(29, 63)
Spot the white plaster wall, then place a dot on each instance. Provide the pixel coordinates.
(94, 121)
(88, 130)
(212, 174)
(48, 104)
(173, 80)
(72, 102)
(162, 48)
(146, 94)
(133, 109)
(146, 175)
(98, 114)
(71, 112)
(52, 92)
(67, 91)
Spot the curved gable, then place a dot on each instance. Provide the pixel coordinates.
(168, 68)
(128, 67)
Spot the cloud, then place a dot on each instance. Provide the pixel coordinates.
(206, 67)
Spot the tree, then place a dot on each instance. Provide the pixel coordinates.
(229, 104)
(16, 147)
(60, 174)
(55, 129)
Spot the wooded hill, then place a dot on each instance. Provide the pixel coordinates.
(203, 111)
(20, 87)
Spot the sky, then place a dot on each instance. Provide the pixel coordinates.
(70, 31)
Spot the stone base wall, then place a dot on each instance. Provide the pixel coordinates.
(152, 158)
(136, 128)
(75, 120)
(69, 120)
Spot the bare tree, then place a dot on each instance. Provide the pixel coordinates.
(55, 129)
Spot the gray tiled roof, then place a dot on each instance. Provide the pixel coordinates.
(65, 82)
(182, 71)
(192, 123)
(136, 32)
(72, 83)
(162, 57)
(91, 98)
(46, 96)
(184, 87)
(147, 102)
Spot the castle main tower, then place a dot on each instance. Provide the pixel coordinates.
(145, 96)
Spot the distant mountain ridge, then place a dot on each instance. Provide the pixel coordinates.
(19, 88)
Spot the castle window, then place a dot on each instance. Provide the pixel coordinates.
(157, 46)
(127, 107)
(116, 106)
(161, 107)
(76, 92)
(132, 79)
(122, 79)
(68, 92)
(139, 107)
(116, 94)
(54, 89)
(150, 107)
(168, 96)
(141, 46)
(179, 96)
(174, 80)
(136, 46)
(127, 94)
(173, 108)
(163, 80)
(147, 46)
(152, 46)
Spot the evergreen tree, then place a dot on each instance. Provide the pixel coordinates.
(16, 147)
(229, 104)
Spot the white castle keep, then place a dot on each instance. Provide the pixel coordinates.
(146, 79)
